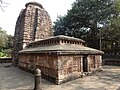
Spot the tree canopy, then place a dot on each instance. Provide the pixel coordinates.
(85, 18)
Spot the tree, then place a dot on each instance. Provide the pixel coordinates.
(83, 19)
(110, 34)
(6, 44)
(3, 38)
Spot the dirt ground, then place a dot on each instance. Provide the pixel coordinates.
(12, 78)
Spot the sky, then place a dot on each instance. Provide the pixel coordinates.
(9, 17)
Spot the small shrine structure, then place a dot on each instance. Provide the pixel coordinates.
(60, 58)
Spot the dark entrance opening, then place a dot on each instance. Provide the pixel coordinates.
(94, 61)
(85, 64)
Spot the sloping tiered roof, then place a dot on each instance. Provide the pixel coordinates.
(60, 48)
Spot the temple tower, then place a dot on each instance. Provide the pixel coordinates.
(33, 24)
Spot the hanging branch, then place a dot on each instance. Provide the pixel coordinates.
(2, 5)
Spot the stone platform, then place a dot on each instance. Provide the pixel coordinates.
(12, 78)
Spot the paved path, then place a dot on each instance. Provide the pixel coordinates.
(12, 78)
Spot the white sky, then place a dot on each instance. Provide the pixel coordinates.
(9, 17)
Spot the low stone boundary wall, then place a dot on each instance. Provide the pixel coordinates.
(5, 60)
(111, 62)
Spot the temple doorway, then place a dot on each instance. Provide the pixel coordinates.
(94, 61)
(85, 64)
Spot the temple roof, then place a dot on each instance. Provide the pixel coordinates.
(62, 37)
(55, 39)
(62, 49)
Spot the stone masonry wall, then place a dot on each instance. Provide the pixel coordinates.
(59, 69)
(69, 67)
(95, 62)
(46, 63)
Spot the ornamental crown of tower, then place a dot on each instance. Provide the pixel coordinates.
(34, 4)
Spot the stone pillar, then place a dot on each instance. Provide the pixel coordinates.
(88, 63)
(37, 79)
(100, 62)
(81, 67)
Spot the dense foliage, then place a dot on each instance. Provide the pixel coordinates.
(6, 44)
(87, 18)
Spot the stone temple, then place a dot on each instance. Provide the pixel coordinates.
(60, 58)
(33, 23)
